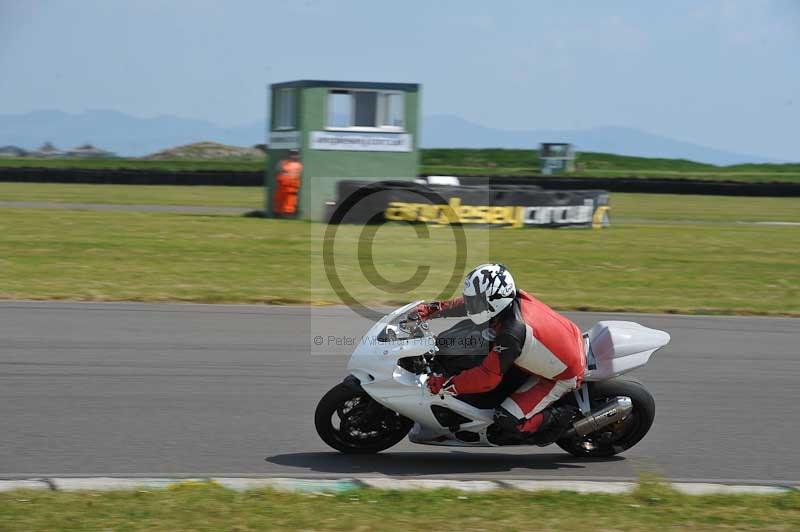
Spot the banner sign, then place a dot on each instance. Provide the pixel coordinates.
(363, 202)
(455, 212)
(284, 140)
(350, 141)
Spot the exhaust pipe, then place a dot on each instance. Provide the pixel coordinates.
(602, 417)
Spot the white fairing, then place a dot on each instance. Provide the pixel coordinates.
(617, 347)
(375, 365)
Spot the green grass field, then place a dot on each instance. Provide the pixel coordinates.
(204, 506)
(663, 254)
(626, 207)
(526, 162)
(459, 161)
(679, 209)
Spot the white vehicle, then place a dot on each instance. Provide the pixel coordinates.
(385, 397)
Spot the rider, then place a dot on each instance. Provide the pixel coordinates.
(529, 335)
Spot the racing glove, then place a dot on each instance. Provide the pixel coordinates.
(438, 384)
(427, 310)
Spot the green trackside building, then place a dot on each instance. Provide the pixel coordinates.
(343, 130)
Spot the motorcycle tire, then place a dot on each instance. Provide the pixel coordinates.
(619, 436)
(365, 426)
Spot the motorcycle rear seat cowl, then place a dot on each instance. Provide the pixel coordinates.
(617, 347)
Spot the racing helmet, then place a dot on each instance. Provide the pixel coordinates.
(488, 290)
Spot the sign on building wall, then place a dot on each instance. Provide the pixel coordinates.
(284, 140)
(351, 141)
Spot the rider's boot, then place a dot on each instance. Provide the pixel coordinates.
(504, 429)
(555, 421)
(542, 430)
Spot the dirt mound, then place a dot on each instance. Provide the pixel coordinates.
(207, 150)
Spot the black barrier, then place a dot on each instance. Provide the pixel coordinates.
(256, 179)
(132, 177)
(501, 206)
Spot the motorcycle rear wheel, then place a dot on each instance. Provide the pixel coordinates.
(354, 423)
(621, 435)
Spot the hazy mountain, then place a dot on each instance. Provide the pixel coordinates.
(447, 131)
(128, 135)
(118, 132)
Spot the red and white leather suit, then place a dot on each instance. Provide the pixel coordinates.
(533, 337)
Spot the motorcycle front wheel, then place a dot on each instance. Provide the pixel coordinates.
(621, 435)
(352, 422)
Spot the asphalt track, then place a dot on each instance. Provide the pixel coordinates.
(131, 389)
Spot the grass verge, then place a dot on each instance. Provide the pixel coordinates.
(765, 176)
(459, 161)
(626, 207)
(659, 264)
(205, 506)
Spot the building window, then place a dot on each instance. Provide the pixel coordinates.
(285, 109)
(392, 110)
(366, 110)
(340, 109)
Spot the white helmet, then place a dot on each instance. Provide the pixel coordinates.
(488, 290)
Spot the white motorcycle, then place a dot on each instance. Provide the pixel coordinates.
(385, 396)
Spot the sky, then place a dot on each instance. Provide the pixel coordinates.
(721, 73)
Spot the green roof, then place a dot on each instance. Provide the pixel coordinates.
(303, 83)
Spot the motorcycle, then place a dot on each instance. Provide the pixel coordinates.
(385, 397)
